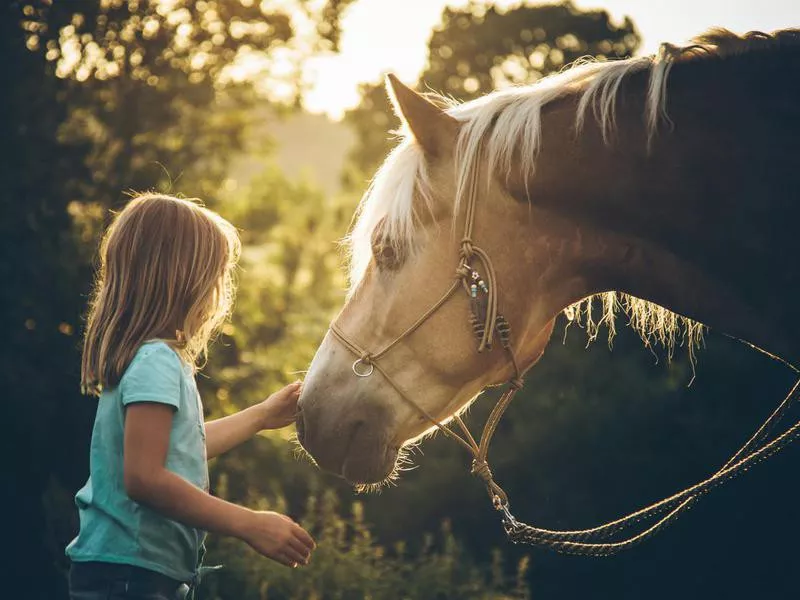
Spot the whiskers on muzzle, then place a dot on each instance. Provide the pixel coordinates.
(298, 450)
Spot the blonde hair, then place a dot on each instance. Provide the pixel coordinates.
(166, 272)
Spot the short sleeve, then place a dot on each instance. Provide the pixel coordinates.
(154, 375)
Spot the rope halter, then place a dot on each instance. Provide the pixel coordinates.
(475, 274)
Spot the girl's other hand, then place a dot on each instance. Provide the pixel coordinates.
(278, 537)
(280, 409)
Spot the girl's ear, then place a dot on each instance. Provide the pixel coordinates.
(433, 128)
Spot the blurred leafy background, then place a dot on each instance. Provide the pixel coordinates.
(103, 97)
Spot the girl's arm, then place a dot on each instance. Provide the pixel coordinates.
(148, 482)
(279, 410)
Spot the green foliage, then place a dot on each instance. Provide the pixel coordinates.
(100, 97)
(349, 564)
(153, 88)
(479, 48)
(290, 285)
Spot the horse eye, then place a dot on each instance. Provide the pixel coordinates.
(386, 257)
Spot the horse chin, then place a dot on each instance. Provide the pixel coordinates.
(370, 470)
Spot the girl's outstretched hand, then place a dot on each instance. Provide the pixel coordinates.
(280, 409)
(278, 537)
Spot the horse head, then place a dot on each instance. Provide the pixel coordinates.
(681, 211)
(407, 247)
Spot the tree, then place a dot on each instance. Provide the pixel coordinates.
(350, 564)
(100, 97)
(38, 299)
(480, 48)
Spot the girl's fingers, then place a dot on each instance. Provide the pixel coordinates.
(304, 538)
(284, 560)
(293, 555)
(290, 391)
(298, 546)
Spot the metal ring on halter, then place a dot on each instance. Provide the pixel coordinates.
(363, 373)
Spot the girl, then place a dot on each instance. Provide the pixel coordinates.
(164, 287)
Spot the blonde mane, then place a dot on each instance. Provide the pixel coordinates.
(506, 124)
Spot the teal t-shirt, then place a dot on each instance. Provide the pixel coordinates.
(114, 528)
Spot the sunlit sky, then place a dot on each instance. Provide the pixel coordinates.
(391, 35)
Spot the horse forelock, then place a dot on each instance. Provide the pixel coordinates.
(506, 125)
(389, 204)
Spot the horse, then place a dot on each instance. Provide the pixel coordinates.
(665, 186)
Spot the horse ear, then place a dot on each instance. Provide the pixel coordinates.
(433, 128)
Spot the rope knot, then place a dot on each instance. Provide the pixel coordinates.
(467, 250)
(516, 383)
(480, 468)
(463, 271)
(365, 358)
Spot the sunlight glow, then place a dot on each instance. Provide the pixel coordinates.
(378, 38)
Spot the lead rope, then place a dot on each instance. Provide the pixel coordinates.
(568, 542)
(481, 285)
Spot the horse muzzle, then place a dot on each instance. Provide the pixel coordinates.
(350, 438)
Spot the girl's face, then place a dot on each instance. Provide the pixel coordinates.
(207, 313)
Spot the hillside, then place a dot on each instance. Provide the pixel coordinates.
(304, 145)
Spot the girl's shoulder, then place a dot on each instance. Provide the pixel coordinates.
(156, 350)
(155, 374)
(156, 356)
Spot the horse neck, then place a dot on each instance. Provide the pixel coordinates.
(704, 222)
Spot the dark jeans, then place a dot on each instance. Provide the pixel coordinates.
(107, 581)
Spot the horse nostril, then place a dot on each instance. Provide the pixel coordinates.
(300, 426)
